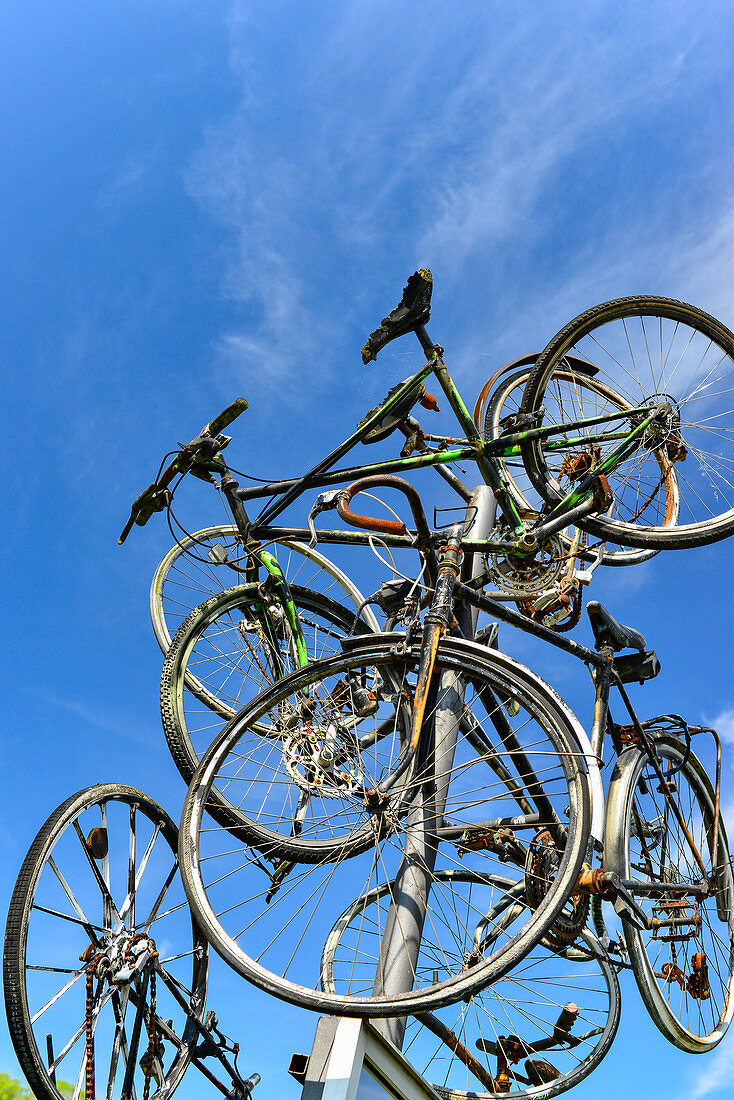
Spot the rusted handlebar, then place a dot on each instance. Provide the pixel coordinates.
(387, 526)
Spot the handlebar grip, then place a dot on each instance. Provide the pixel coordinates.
(226, 417)
(388, 526)
(369, 523)
(126, 530)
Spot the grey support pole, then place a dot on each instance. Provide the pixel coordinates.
(406, 915)
(404, 925)
(480, 520)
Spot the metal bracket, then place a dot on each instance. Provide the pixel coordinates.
(323, 502)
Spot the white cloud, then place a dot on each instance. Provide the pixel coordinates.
(717, 1073)
(723, 723)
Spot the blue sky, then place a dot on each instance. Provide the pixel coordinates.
(202, 201)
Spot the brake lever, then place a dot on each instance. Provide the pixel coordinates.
(153, 499)
(323, 502)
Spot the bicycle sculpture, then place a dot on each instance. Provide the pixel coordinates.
(416, 769)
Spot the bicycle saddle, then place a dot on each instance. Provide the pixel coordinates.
(607, 631)
(414, 308)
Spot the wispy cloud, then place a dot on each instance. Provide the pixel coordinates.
(95, 716)
(723, 723)
(361, 146)
(717, 1074)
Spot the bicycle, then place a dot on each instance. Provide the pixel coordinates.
(538, 1031)
(436, 697)
(371, 671)
(90, 962)
(620, 477)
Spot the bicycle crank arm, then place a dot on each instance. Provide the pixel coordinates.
(609, 886)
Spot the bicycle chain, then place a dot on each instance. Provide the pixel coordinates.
(151, 1027)
(93, 961)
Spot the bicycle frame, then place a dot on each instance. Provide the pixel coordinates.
(485, 453)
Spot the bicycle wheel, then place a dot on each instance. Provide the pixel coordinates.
(187, 576)
(549, 1022)
(238, 643)
(652, 352)
(683, 969)
(500, 771)
(571, 395)
(99, 885)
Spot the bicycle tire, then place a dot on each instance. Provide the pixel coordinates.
(627, 355)
(559, 405)
(212, 639)
(548, 978)
(228, 886)
(33, 926)
(634, 796)
(185, 577)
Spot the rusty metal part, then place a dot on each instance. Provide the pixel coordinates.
(93, 960)
(603, 495)
(454, 1044)
(671, 972)
(576, 466)
(359, 700)
(676, 449)
(502, 842)
(388, 526)
(97, 843)
(698, 982)
(415, 440)
(681, 916)
(569, 599)
(627, 735)
(148, 1060)
(540, 1073)
(149, 1057)
(541, 865)
(595, 882)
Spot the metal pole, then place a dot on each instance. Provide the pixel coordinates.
(401, 942)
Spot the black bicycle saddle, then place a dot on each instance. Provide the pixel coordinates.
(414, 308)
(607, 631)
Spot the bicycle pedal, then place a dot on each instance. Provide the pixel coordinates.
(539, 1072)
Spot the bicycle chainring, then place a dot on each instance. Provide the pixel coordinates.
(525, 576)
(541, 865)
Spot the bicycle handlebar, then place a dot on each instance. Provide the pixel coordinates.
(387, 526)
(156, 496)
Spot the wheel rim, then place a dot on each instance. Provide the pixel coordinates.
(649, 350)
(663, 968)
(186, 577)
(526, 1003)
(141, 908)
(227, 887)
